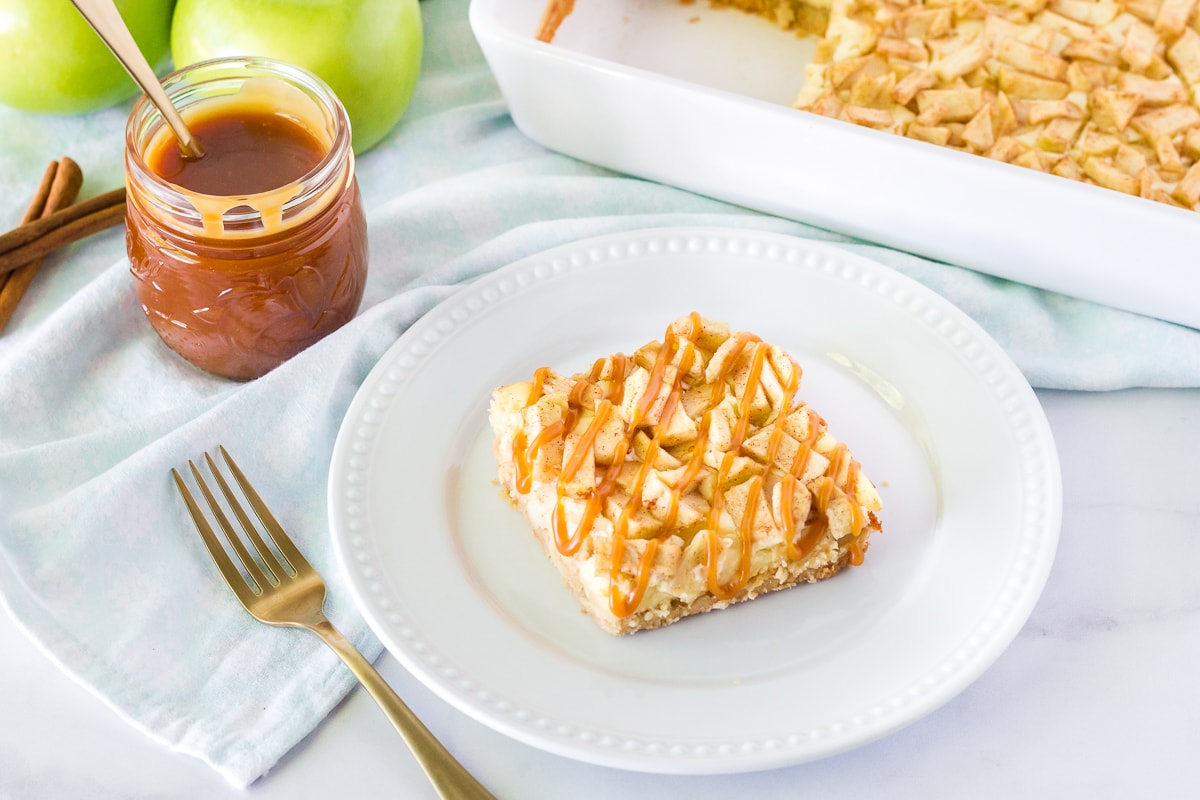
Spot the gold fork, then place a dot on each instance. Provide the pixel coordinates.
(291, 593)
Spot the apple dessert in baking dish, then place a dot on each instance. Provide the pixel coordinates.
(681, 479)
(1100, 91)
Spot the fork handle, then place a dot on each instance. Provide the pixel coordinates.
(449, 778)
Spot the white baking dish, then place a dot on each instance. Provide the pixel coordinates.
(697, 98)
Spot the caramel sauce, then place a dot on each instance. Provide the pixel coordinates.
(836, 459)
(753, 497)
(800, 463)
(801, 549)
(695, 463)
(787, 498)
(261, 250)
(587, 439)
(742, 573)
(569, 543)
(652, 389)
(856, 552)
(525, 454)
(520, 454)
(745, 540)
(813, 532)
(785, 410)
(719, 386)
(752, 383)
(253, 151)
(538, 386)
(622, 602)
(857, 521)
(620, 366)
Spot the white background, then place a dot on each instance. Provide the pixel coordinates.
(1096, 697)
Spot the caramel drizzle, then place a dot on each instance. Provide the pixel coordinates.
(621, 602)
(568, 544)
(825, 494)
(746, 533)
(690, 471)
(524, 453)
(552, 17)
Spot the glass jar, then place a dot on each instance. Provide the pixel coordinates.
(239, 283)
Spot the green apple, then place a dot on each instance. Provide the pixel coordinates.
(51, 61)
(368, 51)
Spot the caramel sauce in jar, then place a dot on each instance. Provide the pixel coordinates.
(256, 250)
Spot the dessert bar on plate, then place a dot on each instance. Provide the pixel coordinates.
(684, 478)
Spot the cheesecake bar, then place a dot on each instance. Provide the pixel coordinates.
(683, 478)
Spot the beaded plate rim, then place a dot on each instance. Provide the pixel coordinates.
(978, 649)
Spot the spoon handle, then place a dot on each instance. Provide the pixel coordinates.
(104, 18)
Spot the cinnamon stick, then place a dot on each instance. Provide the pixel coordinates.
(38, 238)
(38, 204)
(66, 180)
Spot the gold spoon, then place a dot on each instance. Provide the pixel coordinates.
(104, 18)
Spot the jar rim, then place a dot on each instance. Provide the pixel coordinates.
(145, 121)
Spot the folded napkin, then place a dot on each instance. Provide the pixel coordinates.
(99, 562)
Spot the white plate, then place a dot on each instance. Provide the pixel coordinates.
(699, 98)
(453, 583)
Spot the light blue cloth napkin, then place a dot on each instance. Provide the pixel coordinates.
(98, 561)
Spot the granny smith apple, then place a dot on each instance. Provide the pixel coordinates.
(368, 51)
(51, 61)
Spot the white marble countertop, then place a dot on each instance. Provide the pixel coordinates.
(1095, 698)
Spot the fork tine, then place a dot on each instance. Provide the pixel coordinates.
(252, 568)
(276, 531)
(224, 563)
(275, 569)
